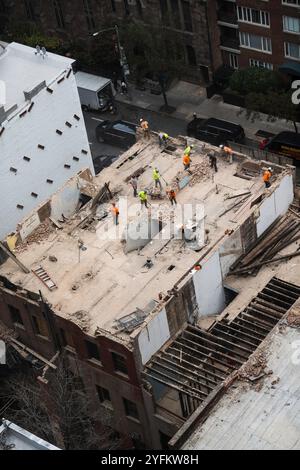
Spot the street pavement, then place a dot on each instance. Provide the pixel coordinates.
(189, 98)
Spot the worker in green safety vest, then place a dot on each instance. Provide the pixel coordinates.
(143, 198)
(156, 178)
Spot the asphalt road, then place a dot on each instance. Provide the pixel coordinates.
(158, 122)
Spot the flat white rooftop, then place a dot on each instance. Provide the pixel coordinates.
(263, 415)
(90, 82)
(106, 282)
(16, 438)
(22, 70)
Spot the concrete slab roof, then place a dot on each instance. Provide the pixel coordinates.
(17, 438)
(110, 284)
(265, 414)
(23, 70)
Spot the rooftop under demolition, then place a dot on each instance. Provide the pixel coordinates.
(98, 283)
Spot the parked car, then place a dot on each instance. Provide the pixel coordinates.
(120, 133)
(103, 161)
(215, 131)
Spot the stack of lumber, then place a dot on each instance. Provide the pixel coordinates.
(281, 234)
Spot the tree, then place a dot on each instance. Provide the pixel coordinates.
(58, 412)
(275, 105)
(266, 92)
(152, 51)
(256, 80)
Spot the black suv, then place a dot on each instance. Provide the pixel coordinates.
(215, 131)
(120, 133)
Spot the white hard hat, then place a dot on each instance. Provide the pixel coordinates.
(221, 146)
(270, 169)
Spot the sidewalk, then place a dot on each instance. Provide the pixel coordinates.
(188, 98)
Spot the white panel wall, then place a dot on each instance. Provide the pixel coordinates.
(275, 205)
(209, 287)
(153, 336)
(284, 195)
(65, 201)
(21, 138)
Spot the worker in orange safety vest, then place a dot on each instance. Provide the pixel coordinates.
(267, 176)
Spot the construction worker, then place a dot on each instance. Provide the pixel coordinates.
(267, 176)
(156, 178)
(163, 139)
(143, 198)
(115, 212)
(188, 149)
(227, 151)
(172, 196)
(145, 128)
(186, 161)
(134, 184)
(213, 160)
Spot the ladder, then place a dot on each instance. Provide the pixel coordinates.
(44, 277)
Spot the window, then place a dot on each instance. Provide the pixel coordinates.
(103, 394)
(113, 6)
(294, 3)
(40, 326)
(291, 25)
(59, 14)
(15, 315)
(29, 10)
(187, 17)
(89, 15)
(175, 14)
(92, 350)
(252, 41)
(250, 15)
(130, 409)
(292, 50)
(66, 338)
(260, 64)
(234, 61)
(139, 8)
(164, 11)
(191, 56)
(126, 6)
(119, 363)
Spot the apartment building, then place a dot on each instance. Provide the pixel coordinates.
(77, 20)
(115, 303)
(256, 33)
(43, 139)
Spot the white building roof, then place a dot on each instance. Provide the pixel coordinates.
(22, 70)
(17, 438)
(266, 417)
(90, 82)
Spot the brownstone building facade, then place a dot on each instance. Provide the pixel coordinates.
(77, 20)
(256, 33)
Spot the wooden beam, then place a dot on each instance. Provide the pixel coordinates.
(164, 381)
(171, 365)
(194, 369)
(204, 362)
(220, 329)
(205, 348)
(217, 339)
(30, 351)
(14, 258)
